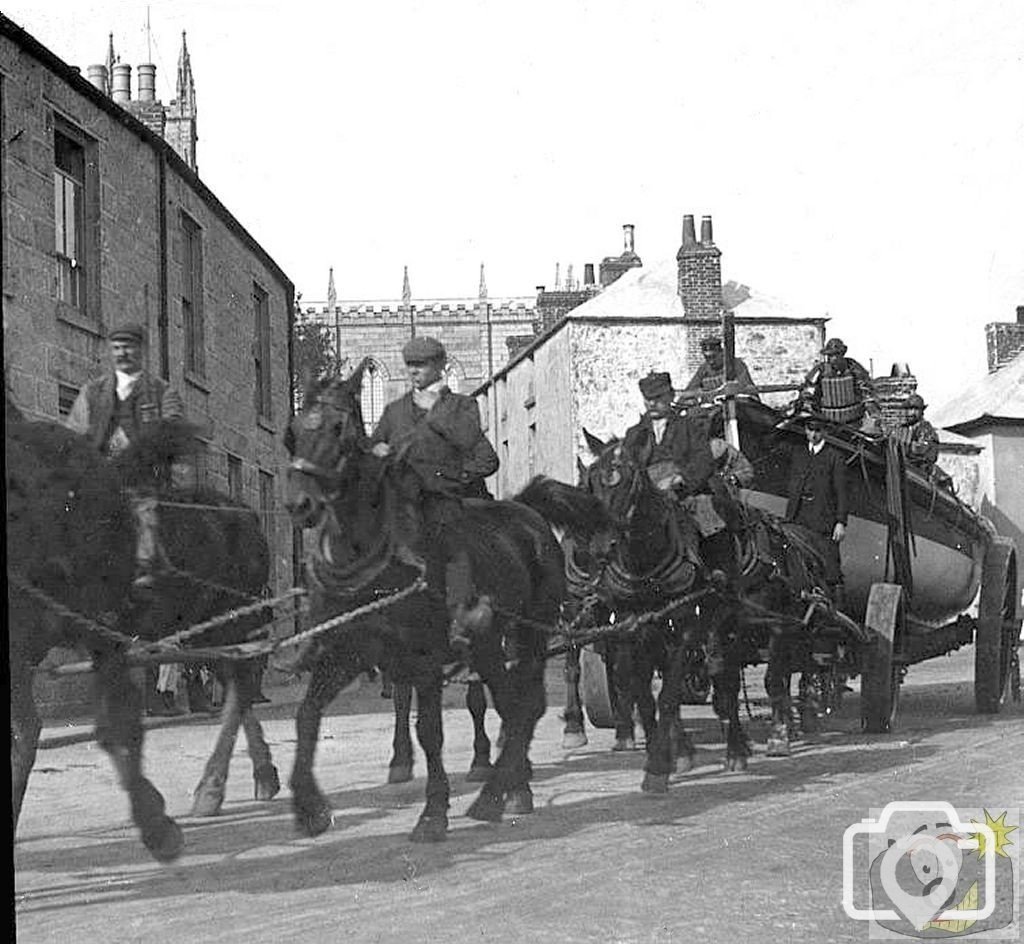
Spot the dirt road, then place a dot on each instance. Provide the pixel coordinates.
(724, 857)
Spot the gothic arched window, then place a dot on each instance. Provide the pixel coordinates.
(375, 381)
(454, 375)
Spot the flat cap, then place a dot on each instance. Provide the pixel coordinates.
(131, 331)
(834, 346)
(710, 343)
(656, 384)
(423, 348)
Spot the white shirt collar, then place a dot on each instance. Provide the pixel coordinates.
(126, 383)
(815, 448)
(659, 429)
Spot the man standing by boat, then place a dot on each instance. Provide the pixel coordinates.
(817, 501)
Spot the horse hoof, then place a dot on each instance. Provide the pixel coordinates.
(624, 744)
(778, 747)
(734, 764)
(209, 798)
(479, 772)
(400, 773)
(519, 801)
(430, 829)
(654, 783)
(266, 782)
(314, 822)
(166, 844)
(573, 739)
(487, 808)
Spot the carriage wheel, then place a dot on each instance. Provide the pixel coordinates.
(880, 671)
(995, 640)
(596, 689)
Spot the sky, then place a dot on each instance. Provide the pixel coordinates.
(862, 159)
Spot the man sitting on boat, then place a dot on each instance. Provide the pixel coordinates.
(838, 387)
(711, 374)
(817, 501)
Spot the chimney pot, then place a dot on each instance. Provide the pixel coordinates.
(627, 237)
(147, 82)
(705, 231)
(588, 273)
(689, 236)
(540, 289)
(97, 75)
(121, 83)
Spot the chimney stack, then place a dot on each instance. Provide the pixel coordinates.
(627, 238)
(699, 267)
(1020, 314)
(588, 274)
(1004, 341)
(147, 82)
(97, 75)
(689, 237)
(121, 83)
(705, 230)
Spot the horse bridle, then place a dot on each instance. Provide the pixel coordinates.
(328, 478)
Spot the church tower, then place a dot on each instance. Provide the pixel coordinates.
(180, 130)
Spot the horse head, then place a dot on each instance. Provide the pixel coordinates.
(322, 439)
(613, 477)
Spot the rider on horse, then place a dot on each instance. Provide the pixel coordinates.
(112, 411)
(445, 458)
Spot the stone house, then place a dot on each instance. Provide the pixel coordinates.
(582, 373)
(104, 221)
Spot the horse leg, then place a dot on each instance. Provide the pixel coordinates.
(25, 730)
(432, 825)
(574, 733)
(400, 768)
(777, 685)
(623, 681)
(119, 732)
(313, 814)
(724, 669)
(519, 799)
(209, 792)
(476, 702)
(668, 736)
(266, 781)
(643, 693)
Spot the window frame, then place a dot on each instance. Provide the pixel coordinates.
(263, 391)
(193, 324)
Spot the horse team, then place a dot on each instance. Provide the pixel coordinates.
(70, 527)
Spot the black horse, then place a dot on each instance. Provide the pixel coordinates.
(215, 559)
(338, 485)
(660, 559)
(70, 559)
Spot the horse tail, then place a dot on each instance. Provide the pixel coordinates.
(567, 507)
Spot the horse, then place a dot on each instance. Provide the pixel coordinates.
(70, 553)
(215, 558)
(657, 560)
(587, 533)
(360, 556)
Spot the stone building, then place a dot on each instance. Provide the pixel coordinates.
(583, 371)
(104, 221)
(990, 413)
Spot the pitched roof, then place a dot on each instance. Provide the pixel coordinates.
(996, 397)
(652, 292)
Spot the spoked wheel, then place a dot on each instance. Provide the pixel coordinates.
(996, 638)
(880, 672)
(596, 689)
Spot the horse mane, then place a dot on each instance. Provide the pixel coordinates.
(566, 506)
(157, 446)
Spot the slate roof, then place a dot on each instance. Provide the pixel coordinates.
(994, 398)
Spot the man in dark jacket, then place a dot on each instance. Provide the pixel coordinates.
(711, 374)
(817, 500)
(436, 435)
(673, 448)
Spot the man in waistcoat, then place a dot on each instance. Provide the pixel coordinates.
(436, 433)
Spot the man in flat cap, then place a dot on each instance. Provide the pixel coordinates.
(838, 387)
(437, 434)
(711, 374)
(111, 411)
